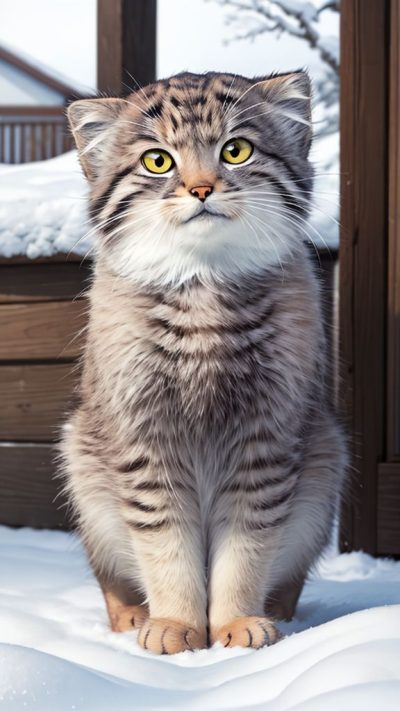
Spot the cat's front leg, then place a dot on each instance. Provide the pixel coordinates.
(238, 576)
(246, 531)
(169, 554)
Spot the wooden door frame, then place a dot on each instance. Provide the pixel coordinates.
(365, 61)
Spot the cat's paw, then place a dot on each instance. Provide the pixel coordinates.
(165, 636)
(255, 632)
(128, 618)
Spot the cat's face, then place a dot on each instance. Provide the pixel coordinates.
(198, 174)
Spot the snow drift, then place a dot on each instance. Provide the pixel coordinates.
(56, 652)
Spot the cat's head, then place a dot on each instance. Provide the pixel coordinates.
(198, 174)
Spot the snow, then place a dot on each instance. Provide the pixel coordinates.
(43, 205)
(43, 208)
(56, 651)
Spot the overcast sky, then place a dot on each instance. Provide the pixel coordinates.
(190, 35)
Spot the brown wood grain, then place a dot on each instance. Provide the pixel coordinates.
(34, 400)
(389, 509)
(126, 45)
(393, 325)
(30, 495)
(43, 282)
(40, 331)
(364, 149)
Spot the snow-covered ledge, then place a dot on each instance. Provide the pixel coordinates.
(43, 209)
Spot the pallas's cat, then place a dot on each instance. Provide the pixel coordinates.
(204, 461)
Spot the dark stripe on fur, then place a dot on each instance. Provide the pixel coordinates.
(139, 463)
(269, 504)
(290, 201)
(154, 111)
(117, 216)
(225, 99)
(149, 526)
(157, 486)
(101, 201)
(249, 488)
(147, 508)
(282, 161)
(264, 525)
(235, 328)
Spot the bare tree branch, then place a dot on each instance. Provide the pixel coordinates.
(300, 19)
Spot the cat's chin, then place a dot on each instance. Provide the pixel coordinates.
(204, 223)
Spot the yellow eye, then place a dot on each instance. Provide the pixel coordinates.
(238, 150)
(157, 161)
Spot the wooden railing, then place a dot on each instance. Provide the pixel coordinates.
(30, 133)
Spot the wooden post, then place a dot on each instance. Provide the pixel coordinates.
(363, 265)
(126, 42)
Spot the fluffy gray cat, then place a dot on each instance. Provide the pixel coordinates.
(204, 462)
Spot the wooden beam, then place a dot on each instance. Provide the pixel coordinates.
(363, 244)
(126, 45)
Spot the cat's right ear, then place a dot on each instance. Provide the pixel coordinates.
(92, 122)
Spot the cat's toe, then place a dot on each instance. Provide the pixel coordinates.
(165, 636)
(255, 632)
(128, 618)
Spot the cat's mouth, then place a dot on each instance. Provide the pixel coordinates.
(205, 214)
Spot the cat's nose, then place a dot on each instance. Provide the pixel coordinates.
(201, 191)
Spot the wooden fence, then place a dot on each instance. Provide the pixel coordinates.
(30, 133)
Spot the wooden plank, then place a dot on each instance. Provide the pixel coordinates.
(43, 282)
(126, 42)
(393, 326)
(364, 87)
(388, 509)
(59, 258)
(34, 400)
(42, 331)
(55, 112)
(28, 487)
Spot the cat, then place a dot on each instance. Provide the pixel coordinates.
(204, 462)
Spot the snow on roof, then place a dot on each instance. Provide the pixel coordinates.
(43, 208)
(44, 73)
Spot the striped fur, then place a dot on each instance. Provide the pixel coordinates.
(204, 462)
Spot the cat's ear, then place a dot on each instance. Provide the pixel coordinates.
(92, 122)
(290, 97)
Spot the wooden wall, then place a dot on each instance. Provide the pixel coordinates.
(42, 313)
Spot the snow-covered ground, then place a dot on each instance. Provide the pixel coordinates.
(43, 205)
(57, 654)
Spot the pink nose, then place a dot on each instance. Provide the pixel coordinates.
(202, 191)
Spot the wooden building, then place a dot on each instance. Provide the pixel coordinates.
(32, 109)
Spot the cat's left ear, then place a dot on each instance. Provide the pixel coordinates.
(290, 97)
